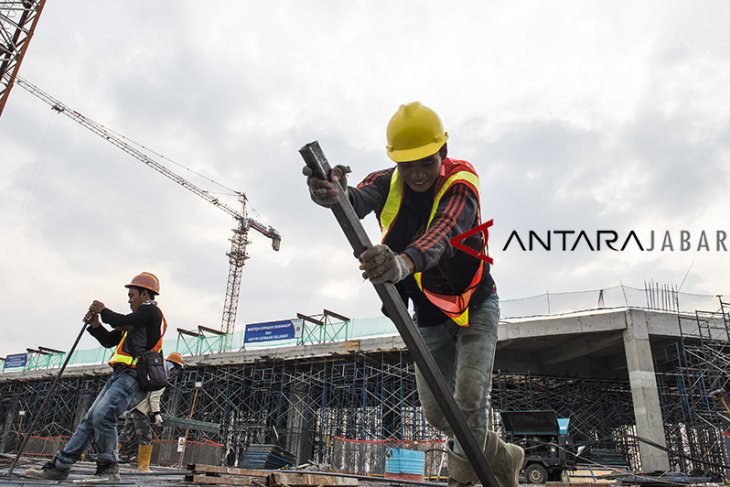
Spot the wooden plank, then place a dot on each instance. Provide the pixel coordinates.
(238, 480)
(202, 468)
(308, 479)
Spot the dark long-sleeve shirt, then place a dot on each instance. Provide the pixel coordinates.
(146, 331)
(445, 269)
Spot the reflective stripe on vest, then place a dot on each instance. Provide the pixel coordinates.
(455, 307)
(121, 357)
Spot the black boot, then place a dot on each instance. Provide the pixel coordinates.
(105, 472)
(47, 472)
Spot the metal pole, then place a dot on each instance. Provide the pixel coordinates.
(45, 400)
(397, 312)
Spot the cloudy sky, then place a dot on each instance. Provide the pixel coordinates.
(578, 115)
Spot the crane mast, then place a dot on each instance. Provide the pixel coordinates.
(18, 20)
(236, 256)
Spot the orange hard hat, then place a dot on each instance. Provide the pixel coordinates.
(175, 358)
(147, 281)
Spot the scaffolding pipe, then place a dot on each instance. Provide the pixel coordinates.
(45, 401)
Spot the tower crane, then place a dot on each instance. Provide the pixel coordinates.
(236, 255)
(18, 20)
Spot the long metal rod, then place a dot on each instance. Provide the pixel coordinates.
(45, 400)
(397, 312)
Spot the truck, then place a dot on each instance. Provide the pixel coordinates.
(544, 437)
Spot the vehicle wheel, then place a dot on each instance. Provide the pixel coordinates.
(535, 473)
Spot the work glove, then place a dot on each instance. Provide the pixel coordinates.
(158, 418)
(92, 319)
(380, 264)
(322, 192)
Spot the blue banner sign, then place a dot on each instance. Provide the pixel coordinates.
(16, 360)
(273, 330)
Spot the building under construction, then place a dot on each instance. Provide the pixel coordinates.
(640, 373)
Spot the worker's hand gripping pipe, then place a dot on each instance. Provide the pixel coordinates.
(50, 392)
(358, 238)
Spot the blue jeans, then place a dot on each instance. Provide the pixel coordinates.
(100, 422)
(465, 356)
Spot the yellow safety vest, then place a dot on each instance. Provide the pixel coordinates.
(455, 307)
(121, 357)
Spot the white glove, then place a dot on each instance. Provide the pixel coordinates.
(158, 419)
(380, 264)
(324, 193)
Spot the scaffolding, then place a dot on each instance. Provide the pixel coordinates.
(346, 409)
(693, 386)
(341, 410)
(601, 412)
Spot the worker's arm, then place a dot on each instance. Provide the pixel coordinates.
(371, 194)
(457, 213)
(106, 338)
(141, 317)
(154, 399)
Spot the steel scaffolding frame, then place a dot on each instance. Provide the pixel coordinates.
(303, 405)
(695, 369)
(308, 405)
(600, 411)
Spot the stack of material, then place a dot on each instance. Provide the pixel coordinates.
(267, 456)
(212, 474)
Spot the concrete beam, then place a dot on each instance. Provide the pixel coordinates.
(577, 323)
(578, 347)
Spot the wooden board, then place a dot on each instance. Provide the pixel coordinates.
(235, 480)
(308, 479)
(201, 468)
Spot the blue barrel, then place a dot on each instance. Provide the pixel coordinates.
(404, 464)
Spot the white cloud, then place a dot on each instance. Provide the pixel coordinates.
(585, 115)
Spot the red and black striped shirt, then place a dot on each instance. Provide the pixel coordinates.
(445, 269)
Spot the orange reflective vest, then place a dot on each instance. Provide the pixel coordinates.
(454, 172)
(121, 357)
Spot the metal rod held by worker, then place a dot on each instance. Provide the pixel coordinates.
(397, 312)
(45, 400)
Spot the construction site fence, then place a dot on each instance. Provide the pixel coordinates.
(652, 297)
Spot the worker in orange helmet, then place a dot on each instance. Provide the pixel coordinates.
(137, 421)
(421, 204)
(132, 334)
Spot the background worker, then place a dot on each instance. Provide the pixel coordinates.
(140, 331)
(421, 204)
(137, 419)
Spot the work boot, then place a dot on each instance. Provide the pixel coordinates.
(144, 454)
(505, 459)
(105, 472)
(461, 473)
(47, 472)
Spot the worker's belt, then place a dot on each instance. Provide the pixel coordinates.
(120, 367)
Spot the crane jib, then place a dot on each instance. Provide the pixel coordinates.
(237, 254)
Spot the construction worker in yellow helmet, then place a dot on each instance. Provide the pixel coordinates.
(138, 420)
(421, 204)
(132, 334)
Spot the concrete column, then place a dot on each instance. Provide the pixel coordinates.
(644, 391)
(299, 423)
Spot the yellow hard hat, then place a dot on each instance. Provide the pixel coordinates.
(414, 132)
(175, 358)
(146, 280)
